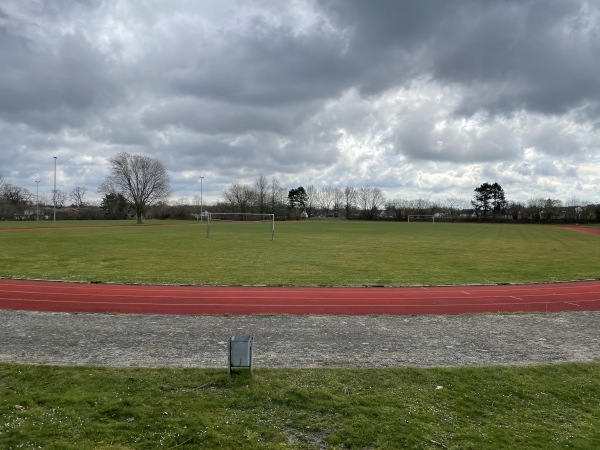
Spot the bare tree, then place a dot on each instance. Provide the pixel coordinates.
(143, 181)
(326, 198)
(349, 200)
(535, 208)
(311, 191)
(396, 209)
(277, 196)
(44, 199)
(13, 199)
(552, 208)
(76, 195)
(274, 188)
(514, 209)
(454, 205)
(370, 199)
(338, 201)
(261, 185)
(59, 198)
(240, 196)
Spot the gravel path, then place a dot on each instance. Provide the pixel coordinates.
(299, 341)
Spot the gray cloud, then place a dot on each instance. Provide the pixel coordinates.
(280, 66)
(410, 96)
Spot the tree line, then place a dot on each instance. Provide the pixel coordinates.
(138, 187)
(20, 203)
(367, 202)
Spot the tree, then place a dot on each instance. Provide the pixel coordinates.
(454, 205)
(311, 199)
(370, 199)
(143, 181)
(498, 200)
(514, 209)
(76, 195)
(488, 197)
(338, 201)
(349, 200)
(395, 209)
(326, 199)
(552, 208)
(277, 196)
(535, 206)
(59, 198)
(115, 206)
(297, 199)
(13, 199)
(241, 196)
(261, 186)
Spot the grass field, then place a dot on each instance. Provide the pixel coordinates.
(303, 253)
(544, 407)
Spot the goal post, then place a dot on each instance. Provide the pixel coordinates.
(421, 218)
(240, 218)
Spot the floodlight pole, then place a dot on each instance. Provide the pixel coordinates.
(37, 201)
(54, 192)
(201, 178)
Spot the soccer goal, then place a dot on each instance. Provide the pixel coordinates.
(233, 222)
(421, 218)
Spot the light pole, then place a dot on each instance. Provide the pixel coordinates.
(37, 201)
(201, 178)
(54, 191)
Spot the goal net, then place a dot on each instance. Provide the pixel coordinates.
(421, 218)
(240, 223)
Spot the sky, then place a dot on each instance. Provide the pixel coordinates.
(422, 99)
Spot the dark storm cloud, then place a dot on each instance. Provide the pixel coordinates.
(542, 55)
(533, 55)
(266, 64)
(49, 87)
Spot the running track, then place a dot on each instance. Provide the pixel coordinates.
(136, 299)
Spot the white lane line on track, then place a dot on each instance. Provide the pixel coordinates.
(296, 304)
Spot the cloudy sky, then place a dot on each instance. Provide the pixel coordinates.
(423, 99)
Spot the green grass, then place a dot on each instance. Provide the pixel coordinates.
(545, 407)
(303, 253)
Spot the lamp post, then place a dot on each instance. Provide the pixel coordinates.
(54, 192)
(37, 201)
(201, 178)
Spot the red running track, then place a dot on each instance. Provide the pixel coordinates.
(138, 299)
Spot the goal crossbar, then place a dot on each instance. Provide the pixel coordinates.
(241, 217)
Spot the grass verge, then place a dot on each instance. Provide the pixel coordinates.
(553, 406)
